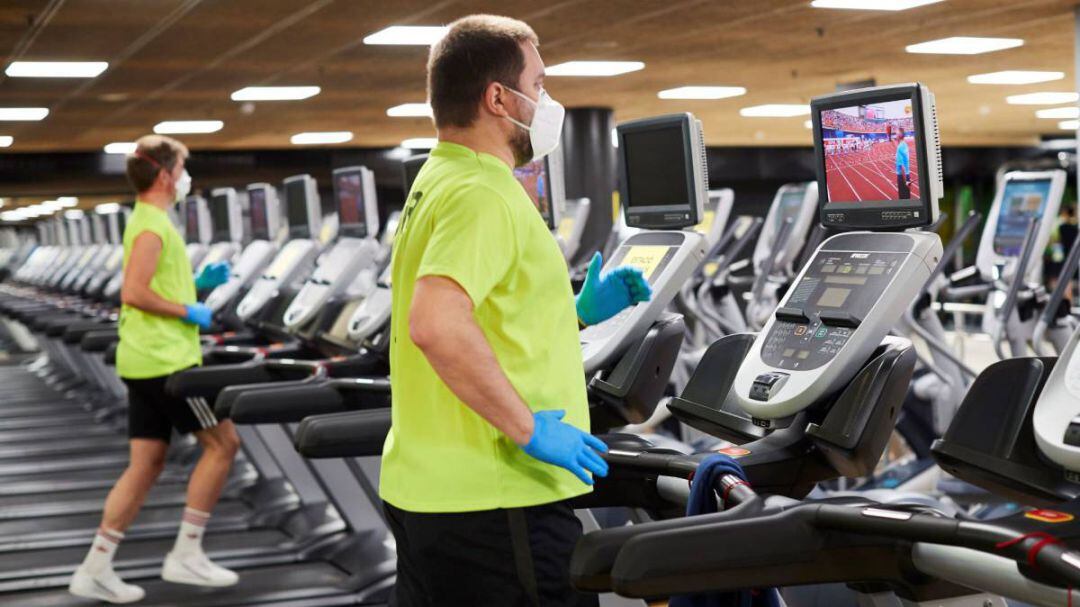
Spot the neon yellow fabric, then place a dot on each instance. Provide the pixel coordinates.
(152, 345)
(468, 219)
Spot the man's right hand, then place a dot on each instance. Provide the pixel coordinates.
(198, 314)
(560, 444)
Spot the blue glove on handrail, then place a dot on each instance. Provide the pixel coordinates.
(560, 444)
(605, 295)
(199, 314)
(213, 276)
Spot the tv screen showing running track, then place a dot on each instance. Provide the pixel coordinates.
(870, 152)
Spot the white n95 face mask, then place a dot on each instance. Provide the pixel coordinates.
(183, 186)
(546, 127)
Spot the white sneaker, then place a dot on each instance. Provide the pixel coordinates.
(197, 569)
(105, 586)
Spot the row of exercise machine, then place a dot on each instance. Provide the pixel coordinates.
(797, 359)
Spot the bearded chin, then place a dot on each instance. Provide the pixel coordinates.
(521, 144)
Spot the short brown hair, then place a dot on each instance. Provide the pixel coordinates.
(478, 50)
(152, 154)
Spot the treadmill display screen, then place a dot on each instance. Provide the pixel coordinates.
(260, 229)
(191, 220)
(219, 213)
(656, 168)
(349, 191)
(535, 179)
(791, 203)
(296, 203)
(1021, 202)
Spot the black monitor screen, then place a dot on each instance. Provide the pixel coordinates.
(191, 220)
(536, 180)
(260, 228)
(656, 168)
(219, 214)
(1021, 202)
(870, 152)
(349, 191)
(296, 203)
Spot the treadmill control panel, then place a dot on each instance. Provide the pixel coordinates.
(826, 307)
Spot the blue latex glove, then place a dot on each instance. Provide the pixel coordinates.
(560, 444)
(199, 314)
(605, 295)
(213, 276)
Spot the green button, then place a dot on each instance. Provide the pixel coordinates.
(822, 332)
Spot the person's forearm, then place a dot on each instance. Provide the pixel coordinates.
(147, 300)
(461, 356)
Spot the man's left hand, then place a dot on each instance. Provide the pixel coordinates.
(605, 295)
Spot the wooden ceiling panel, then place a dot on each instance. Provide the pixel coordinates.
(181, 59)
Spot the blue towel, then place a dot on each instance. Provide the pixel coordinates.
(703, 501)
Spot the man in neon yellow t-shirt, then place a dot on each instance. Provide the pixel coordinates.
(159, 335)
(490, 420)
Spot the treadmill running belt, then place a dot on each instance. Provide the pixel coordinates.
(265, 584)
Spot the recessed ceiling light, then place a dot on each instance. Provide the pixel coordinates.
(56, 69)
(23, 113)
(315, 138)
(775, 110)
(410, 110)
(1069, 125)
(702, 92)
(872, 5)
(121, 147)
(964, 45)
(176, 127)
(420, 143)
(1044, 98)
(275, 93)
(1070, 111)
(6, 141)
(1015, 77)
(107, 208)
(593, 68)
(422, 35)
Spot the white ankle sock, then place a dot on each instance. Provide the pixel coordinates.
(102, 550)
(192, 527)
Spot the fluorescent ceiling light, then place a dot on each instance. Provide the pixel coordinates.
(775, 110)
(1044, 98)
(176, 127)
(107, 208)
(964, 45)
(702, 92)
(68, 201)
(23, 113)
(56, 69)
(275, 93)
(420, 143)
(1070, 111)
(121, 147)
(410, 110)
(872, 5)
(593, 68)
(316, 138)
(74, 214)
(1069, 125)
(1015, 77)
(6, 141)
(421, 35)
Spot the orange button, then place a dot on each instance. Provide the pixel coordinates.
(1049, 516)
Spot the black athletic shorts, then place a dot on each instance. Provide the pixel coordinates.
(518, 557)
(154, 413)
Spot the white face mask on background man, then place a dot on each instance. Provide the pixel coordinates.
(183, 186)
(545, 128)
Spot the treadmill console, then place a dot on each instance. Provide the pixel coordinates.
(844, 302)
(1056, 419)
